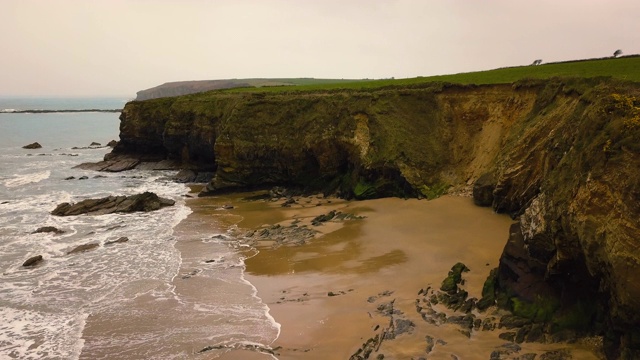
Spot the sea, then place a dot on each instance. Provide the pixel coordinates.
(44, 310)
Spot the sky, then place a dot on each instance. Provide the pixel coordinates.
(118, 47)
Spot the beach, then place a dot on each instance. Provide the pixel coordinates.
(327, 292)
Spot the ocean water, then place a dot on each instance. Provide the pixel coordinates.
(44, 310)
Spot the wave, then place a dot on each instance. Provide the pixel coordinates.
(20, 180)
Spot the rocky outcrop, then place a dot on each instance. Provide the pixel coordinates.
(33, 261)
(48, 229)
(146, 201)
(82, 248)
(34, 145)
(560, 156)
(573, 178)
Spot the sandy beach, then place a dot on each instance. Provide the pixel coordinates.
(330, 286)
(327, 292)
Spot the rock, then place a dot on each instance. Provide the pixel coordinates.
(93, 143)
(120, 240)
(83, 177)
(112, 143)
(562, 354)
(34, 145)
(323, 218)
(483, 190)
(290, 201)
(48, 229)
(147, 201)
(33, 261)
(185, 176)
(70, 178)
(511, 322)
(450, 283)
(83, 248)
(115, 164)
(402, 326)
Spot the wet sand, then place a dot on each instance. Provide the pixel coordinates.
(324, 293)
(401, 246)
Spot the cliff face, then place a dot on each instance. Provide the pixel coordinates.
(562, 156)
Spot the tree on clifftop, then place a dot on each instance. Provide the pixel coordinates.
(617, 53)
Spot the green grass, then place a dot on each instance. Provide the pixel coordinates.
(624, 68)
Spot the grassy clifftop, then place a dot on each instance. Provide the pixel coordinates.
(624, 68)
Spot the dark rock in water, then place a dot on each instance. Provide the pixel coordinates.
(34, 145)
(99, 177)
(147, 201)
(83, 248)
(185, 176)
(112, 143)
(483, 190)
(32, 261)
(122, 239)
(114, 164)
(48, 229)
(95, 144)
(83, 177)
(70, 178)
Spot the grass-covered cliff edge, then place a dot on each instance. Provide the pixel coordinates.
(560, 155)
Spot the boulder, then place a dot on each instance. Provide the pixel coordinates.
(34, 145)
(95, 144)
(120, 240)
(146, 201)
(83, 248)
(112, 143)
(33, 261)
(48, 229)
(483, 190)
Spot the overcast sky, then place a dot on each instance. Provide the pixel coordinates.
(117, 47)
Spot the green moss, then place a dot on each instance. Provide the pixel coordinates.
(579, 316)
(450, 283)
(364, 190)
(434, 191)
(539, 311)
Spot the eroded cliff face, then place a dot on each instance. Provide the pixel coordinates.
(560, 156)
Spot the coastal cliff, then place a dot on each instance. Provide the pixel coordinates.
(562, 156)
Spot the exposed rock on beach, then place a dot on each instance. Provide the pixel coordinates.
(147, 201)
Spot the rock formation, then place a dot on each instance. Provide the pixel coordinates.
(34, 145)
(562, 156)
(146, 201)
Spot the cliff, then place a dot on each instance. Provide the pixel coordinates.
(559, 155)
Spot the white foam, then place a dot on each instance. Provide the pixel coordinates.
(28, 334)
(19, 180)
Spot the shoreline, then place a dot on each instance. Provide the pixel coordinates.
(327, 292)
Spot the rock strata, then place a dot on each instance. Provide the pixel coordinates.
(147, 201)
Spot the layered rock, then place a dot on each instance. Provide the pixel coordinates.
(146, 201)
(561, 156)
